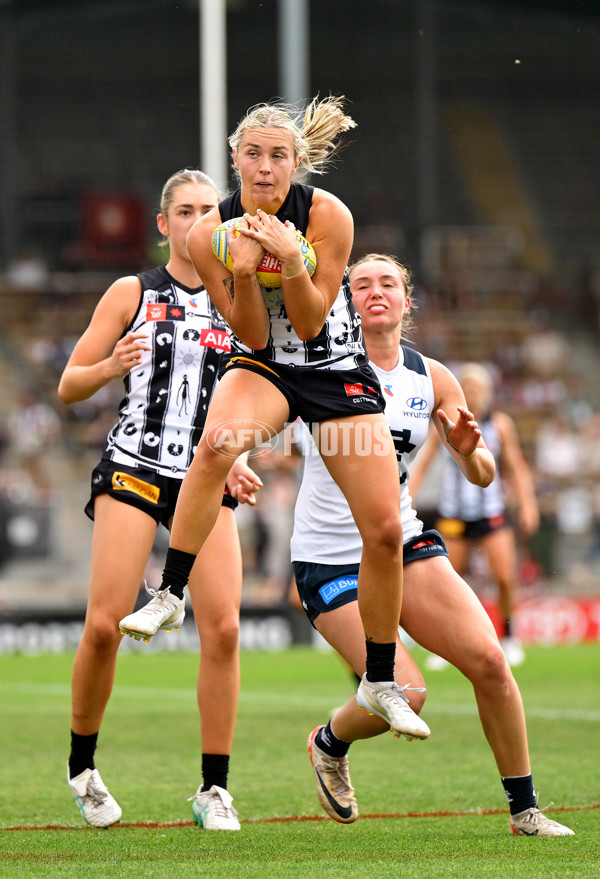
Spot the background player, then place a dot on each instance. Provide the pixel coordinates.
(471, 517)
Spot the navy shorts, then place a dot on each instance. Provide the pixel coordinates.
(461, 529)
(325, 587)
(147, 490)
(316, 393)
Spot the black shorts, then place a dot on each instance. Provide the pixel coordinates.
(325, 587)
(316, 393)
(147, 490)
(462, 529)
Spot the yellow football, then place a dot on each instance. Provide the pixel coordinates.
(268, 271)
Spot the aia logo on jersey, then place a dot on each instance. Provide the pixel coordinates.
(353, 389)
(215, 339)
(417, 403)
(164, 311)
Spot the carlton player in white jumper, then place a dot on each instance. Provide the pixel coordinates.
(320, 373)
(160, 333)
(439, 609)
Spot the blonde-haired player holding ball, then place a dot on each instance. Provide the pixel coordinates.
(297, 351)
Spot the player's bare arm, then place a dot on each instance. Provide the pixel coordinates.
(106, 350)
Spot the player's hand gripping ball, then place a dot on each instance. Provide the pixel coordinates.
(268, 271)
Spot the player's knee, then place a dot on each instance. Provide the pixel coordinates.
(221, 640)
(102, 633)
(493, 670)
(224, 443)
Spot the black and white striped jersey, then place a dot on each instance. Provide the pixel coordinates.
(162, 414)
(339, 345)
(459, 498)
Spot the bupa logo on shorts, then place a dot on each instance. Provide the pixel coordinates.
(127, 482)
(164, 311)
(218, 339)
(331, 590)
(417, 403)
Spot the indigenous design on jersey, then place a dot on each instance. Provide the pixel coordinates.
(459, 498)
(339, 345)
(162, 414)
(324, 530)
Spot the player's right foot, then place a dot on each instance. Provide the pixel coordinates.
(165, 611)
(387, 700)
(533, 822)
(334, 788)
(212, 809)
(93, 800)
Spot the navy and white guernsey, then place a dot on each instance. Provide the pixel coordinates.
(459, 499)
(339, 345)
(163, 412)
(324, 530)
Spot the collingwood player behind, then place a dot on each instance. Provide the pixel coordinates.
(160, 333)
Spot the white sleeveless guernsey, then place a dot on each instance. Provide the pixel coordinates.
(324, 530)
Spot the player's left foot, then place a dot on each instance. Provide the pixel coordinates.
(212, 809)
(533, 822)
(334, 788)
(388, 700)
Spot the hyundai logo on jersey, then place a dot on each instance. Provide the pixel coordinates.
(417, 403)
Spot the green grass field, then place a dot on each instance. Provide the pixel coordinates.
(149, 756)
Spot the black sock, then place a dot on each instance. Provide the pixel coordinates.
(380, 661)
(82, 753)
(176, 573)
(508, 628)
(519, 793)
(215, 769)
(327, 741)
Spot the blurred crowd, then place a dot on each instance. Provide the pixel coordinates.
(544, 378)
